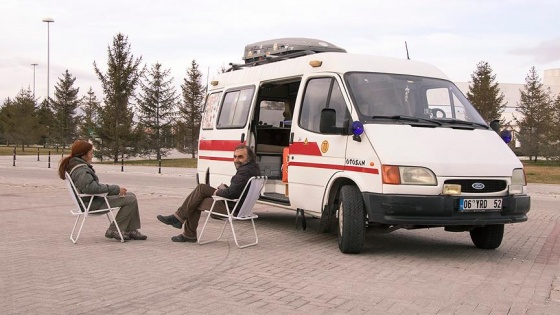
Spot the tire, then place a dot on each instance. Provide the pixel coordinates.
(487, 237)
(351, 220)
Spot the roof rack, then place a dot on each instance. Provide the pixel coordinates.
(281, 49)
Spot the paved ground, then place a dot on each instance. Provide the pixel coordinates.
(290, 271)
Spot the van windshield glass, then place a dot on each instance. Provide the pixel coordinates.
(381, 95)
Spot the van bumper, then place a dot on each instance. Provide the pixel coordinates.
(440, 210)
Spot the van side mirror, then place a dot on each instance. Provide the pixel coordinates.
(495, 125)
(327, 124)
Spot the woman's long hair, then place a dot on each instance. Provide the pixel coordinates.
(79, 149)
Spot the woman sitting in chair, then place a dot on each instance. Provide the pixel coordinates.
(78, 165)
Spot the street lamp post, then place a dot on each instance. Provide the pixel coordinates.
(34, 65)
(48, 20)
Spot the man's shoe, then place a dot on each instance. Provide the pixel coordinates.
(136, 235)
(170, 220)
(113, 233)
(182, 238)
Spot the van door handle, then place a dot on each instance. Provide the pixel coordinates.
(242, 137)
(291, 137)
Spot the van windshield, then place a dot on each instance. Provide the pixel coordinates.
(382, 96)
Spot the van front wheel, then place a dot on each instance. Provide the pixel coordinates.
(351, 220)
(488, 237)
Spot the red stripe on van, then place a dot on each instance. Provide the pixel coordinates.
(361, 169)
(335, 167)
(214, 158)
(309, 148)
(218, 145)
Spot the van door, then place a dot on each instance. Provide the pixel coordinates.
(224, 127)
(314, 156)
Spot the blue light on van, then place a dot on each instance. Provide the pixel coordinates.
(506, 135)
(357, 128)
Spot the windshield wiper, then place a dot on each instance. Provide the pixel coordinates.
(462, 122)
(408, 118)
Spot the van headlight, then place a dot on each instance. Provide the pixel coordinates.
(408, 175)
(518, 180)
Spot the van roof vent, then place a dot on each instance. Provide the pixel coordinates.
(283, 48)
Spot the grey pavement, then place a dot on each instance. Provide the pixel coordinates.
(290, 271)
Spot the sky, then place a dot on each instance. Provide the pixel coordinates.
(454, 35)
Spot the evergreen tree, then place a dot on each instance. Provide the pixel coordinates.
(115, 128)
(190, 110)
(157, 106)
(3, 113)
(535, 108)
(553, 150)
(64, 107)
(19, 119)
(485, 94)
(46, 122)
(90, 106)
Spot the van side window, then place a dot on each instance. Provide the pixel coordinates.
(319, 94)
(235, 108)
(210, 110)
(337, 103)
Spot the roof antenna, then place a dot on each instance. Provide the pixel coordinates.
(406, 46)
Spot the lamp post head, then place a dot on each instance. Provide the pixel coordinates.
(48, 20)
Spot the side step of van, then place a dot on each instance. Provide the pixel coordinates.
(275, 198)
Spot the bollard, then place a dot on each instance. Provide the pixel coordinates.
(14, 164)
(122, 162)
(37, 154)
(49, 159)
(159, 163)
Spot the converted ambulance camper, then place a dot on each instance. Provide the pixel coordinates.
(362, 142)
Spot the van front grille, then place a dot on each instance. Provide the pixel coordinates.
(489, 185)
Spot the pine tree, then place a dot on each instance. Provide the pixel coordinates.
(19, 119)
(46, 122)
(485, 94)
(64, 107)
(116, 114)
(553, 151)
(190, 110)
(535, 108)
(4, 137)
(157, 107)
(90, 106)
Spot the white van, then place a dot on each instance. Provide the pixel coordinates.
(362, 142)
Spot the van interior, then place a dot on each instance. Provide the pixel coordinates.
(271, 128)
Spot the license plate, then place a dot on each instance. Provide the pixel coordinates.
(480, 204)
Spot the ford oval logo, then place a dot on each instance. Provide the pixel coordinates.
(478, 186)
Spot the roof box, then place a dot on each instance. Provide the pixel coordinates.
(287, 48)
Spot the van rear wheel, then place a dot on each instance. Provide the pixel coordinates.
(488, 237)
(351, 220)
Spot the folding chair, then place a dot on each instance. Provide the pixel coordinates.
(244, 209)
(82, 210)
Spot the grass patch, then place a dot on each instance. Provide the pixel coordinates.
(31, 150)
(542, 172)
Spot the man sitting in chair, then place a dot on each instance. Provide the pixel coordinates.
(188, 214)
